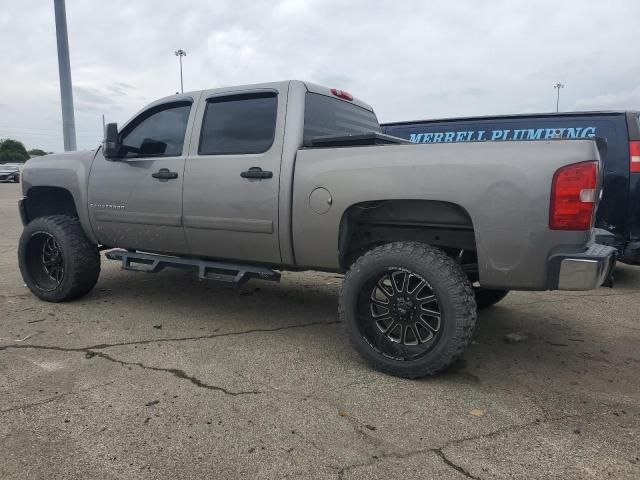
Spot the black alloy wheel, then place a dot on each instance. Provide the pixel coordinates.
(407, 308)
(400, 316)
(45, 261)
(57, 261)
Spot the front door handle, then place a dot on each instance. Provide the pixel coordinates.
(256, 172)
(165, 174)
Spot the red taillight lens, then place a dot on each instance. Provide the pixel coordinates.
(342, 94)
(634, 157)
(573, 197)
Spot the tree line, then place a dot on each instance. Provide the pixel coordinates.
(14, 151)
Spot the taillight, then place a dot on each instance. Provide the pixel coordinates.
(634, 157)
(342, 94)
(573, 197)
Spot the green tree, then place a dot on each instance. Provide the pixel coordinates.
(12, 151)
(36, 152)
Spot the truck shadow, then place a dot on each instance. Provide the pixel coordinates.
(299, 298)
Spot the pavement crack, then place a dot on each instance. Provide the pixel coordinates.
(440, 451)
(94, 350)
(176, 372)
(43, 347)
(102, 346)
(354, 423)
(458, 468)
(181, 374)
(345, 469)
(517, 427)
(403, 455)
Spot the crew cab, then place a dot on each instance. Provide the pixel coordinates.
(244, 182)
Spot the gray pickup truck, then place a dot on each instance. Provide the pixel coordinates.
(243, 182)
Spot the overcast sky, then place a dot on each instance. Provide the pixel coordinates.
(409, 59)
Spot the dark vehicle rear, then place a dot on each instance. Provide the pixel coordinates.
(619, 210)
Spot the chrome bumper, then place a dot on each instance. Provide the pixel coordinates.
(582, 271)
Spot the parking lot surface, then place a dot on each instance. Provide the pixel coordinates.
(164, 376)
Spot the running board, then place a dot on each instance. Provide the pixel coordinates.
(207, 270)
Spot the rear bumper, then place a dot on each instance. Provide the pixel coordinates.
(581, 271)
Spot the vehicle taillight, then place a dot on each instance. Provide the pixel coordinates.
(634, 157)
(342, 94)
(573, 197)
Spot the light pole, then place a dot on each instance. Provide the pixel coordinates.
(64, 70)
(558, 86)
(180, 54)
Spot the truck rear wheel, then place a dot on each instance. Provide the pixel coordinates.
(486, 297)
(57, 261)
(408, 309)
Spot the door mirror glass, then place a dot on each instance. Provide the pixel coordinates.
(111, 144)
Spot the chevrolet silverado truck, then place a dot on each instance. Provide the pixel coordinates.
(244, 182)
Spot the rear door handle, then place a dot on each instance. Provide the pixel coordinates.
(256, 172)
(165, 174)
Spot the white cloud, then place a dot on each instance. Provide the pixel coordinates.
(623, 100)
(409, 59)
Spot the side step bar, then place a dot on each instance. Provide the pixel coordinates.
(207, 270)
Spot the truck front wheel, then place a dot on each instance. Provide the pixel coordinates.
(408, 309)
(57, 261)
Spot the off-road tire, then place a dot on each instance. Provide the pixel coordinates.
(447, 281)
(486, 297)
(80, 258)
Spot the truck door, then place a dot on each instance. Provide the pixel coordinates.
(232, 176)
(135, 201)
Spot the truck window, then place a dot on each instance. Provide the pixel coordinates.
(325, 116)
(159, 131)
(239, 124)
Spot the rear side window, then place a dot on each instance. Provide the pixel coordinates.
(158, 132)
(325, 116)
(239, 124)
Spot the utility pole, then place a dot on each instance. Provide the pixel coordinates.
(558, 86)
(180, 54)
(64, 69)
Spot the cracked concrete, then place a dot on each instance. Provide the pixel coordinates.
(168, 377)
(457, 468)
(91, 352)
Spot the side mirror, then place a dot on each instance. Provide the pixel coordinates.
(111, 144)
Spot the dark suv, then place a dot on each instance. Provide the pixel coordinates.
(619, 210)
